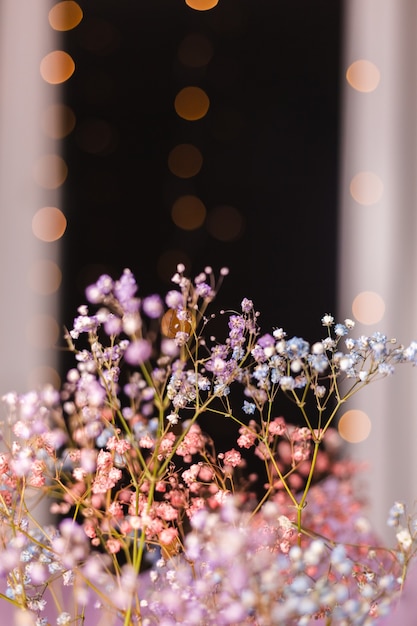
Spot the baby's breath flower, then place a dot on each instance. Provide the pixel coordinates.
(327, 320)
(172, 418)
(159, 512)
(404, 539)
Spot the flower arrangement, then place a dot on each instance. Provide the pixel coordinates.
(152, 520)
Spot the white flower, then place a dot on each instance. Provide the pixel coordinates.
(404, 539)
(317, 348)
(172, 418)
(327, 320)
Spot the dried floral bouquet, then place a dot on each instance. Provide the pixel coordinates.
(152, 523)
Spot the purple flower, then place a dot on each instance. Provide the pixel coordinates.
(138, 352)
(152, 306)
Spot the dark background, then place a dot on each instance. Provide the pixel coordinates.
(269, 142)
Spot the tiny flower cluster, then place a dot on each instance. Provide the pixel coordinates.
(156, 522)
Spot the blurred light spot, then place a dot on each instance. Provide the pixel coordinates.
(65, 15)
(98, 36)
(231, 19)
(44, 375)
(228, 124)
(188, 212)
(195, 50)
(58, 121)
(368, 307)
(226, 74)
(201, 5)
(185, 160)
(44, 277)
(89, 274)
(363, 76)
(50, 171)
(96, 136)
(49, 223)
(168, 261)
(366, 188)
(225, 223)
(191, 103)
(57, 67)
(171, 324)
(43, 331)
(354, 426)
(98, 87)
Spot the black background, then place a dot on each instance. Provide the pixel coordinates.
(276, 66)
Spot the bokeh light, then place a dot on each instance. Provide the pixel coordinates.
(43, 331)
(185, 160)
(225, 223)
(50, 171)
(368, 307)
(202, 5)
(57, 67)
(65, 15)
(195, 50)
(227, 124)
(44, 277)
(96, 136)
(354, 426)
(363, 76)
(58, 121)
(366, 188)
(191, 103)
(99, 36)
(167, 263)
(44, 375)
(188, 212)
(49, 224)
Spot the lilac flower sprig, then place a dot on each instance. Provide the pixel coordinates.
(120, 455)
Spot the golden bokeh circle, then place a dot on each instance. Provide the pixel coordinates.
(65, 15)
(50, 171)
(185, 160)
(354, 426)
(188, 212)
(366, 188)
(58, 121)
(49, 223)
(43, 331)
(195, 50)
(363, 75)
(225, 223)
(57, 67)
(44, 277)
(191, 103)
(44, 375)
(202, 5)
(368, 307)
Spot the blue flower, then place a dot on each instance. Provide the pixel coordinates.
(249, 407)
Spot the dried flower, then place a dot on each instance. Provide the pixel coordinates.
(162, 523)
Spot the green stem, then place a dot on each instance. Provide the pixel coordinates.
(302, 502)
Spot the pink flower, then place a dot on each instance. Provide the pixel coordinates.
(232, 457)
(113, 546)
(118, 445)
(247, 437)
(146, 442)
(167, 512)
(107, 476)
(168, 535)
(190, 476)
(277, 426)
